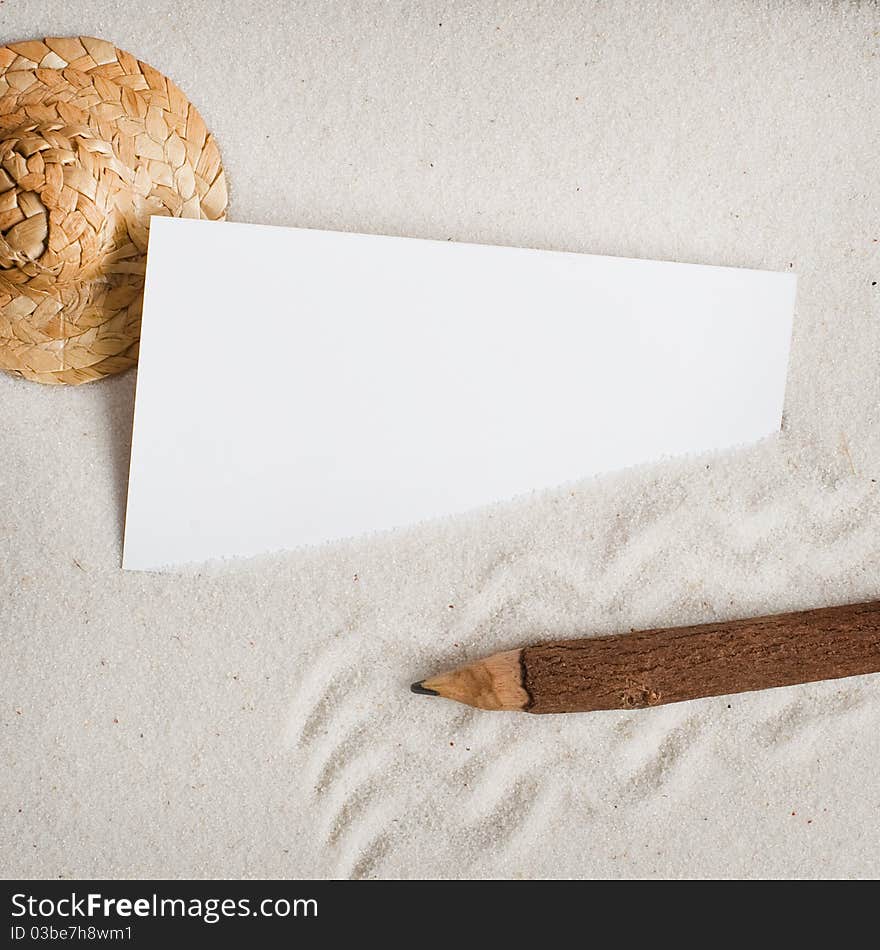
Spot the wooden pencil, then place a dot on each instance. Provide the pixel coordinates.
(670, 665)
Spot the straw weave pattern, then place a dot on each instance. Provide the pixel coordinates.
(92, 143)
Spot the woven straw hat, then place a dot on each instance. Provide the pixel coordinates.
(92, 142)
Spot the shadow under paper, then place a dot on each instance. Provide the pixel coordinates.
(118, 409)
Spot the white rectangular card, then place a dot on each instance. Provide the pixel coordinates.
(297, 386)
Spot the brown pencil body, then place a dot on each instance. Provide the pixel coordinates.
(670, 665)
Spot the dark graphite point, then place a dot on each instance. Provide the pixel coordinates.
(423, 690)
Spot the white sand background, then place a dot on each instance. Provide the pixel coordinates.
(255, 719)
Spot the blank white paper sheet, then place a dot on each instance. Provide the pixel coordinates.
(298, 386)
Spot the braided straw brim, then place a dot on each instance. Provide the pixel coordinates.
(92, 143)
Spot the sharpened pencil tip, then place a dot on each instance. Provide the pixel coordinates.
(423, 690)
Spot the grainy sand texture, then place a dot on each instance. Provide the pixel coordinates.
(253, 719)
